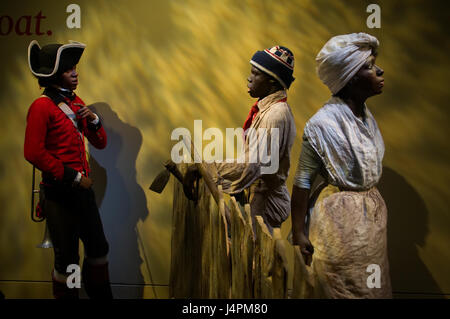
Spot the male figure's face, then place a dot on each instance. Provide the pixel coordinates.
(259, 84)
(69, 79)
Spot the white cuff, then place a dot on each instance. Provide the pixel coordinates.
(95, 122)
(77, 179)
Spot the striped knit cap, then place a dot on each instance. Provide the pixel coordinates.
(277, 62)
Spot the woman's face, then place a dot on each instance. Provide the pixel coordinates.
(369, 80)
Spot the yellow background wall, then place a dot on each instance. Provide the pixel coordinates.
(153, 66)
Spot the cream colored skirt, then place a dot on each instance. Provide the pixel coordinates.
(348, 232)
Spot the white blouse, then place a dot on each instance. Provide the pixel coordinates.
(350, 149)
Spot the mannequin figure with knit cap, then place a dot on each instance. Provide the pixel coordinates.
(270, 77)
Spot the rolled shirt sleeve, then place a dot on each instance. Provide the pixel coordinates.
(308, 166)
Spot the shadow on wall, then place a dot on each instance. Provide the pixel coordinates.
(121, 200)
(407, 229)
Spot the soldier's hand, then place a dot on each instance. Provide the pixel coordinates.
(85, 112)
(85, 182)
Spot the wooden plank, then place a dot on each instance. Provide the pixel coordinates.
(181, 261)
(175, 284)
(190, 233)
(263, 260)
(280, 267)
(220, 275)
(214, 262)
(192, 246)
(303, 286)
(223, 249)
(205, 207)
(248, 218)
(241, 254)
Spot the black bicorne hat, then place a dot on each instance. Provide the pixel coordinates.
(53, 58)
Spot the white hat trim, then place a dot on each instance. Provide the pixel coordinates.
(268, 72)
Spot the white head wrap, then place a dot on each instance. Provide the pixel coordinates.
(341, 58)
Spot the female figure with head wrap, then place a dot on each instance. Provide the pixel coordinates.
(344, 235)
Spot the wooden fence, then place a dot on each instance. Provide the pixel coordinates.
(215, 258)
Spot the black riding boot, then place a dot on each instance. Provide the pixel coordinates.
(96, 281)
(61, 291)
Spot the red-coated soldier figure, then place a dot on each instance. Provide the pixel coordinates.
(57, 123)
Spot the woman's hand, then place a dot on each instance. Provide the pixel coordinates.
(299, 206)
(306, 248)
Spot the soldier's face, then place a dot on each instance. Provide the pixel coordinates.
(69, 79)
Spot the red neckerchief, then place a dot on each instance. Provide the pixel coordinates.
(253, 111)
